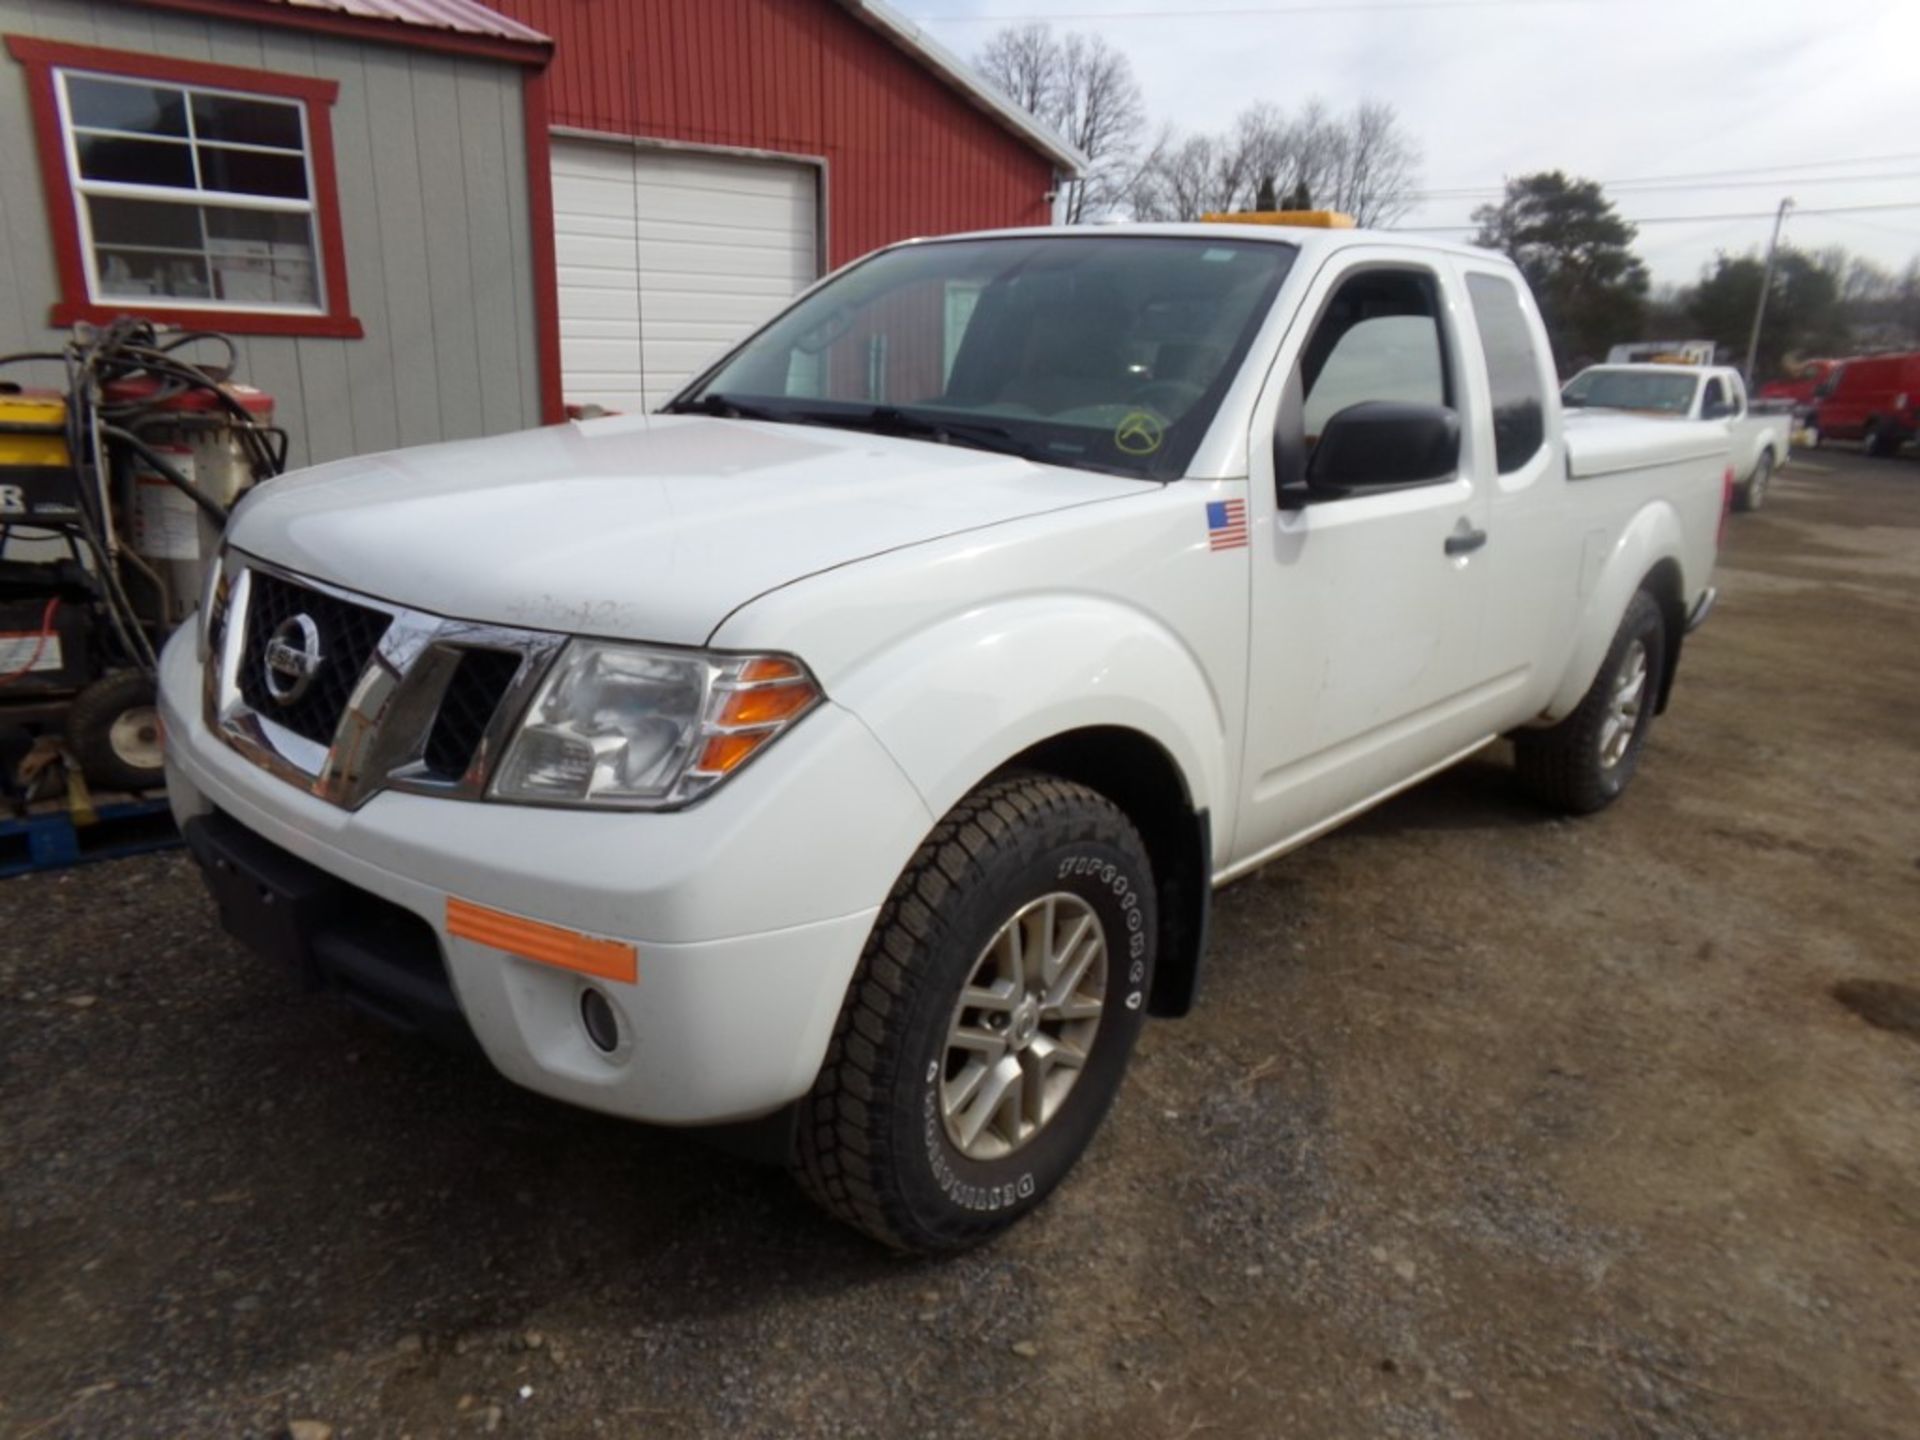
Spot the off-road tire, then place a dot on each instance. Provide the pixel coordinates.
(89, 732)
(872, 1147)
(1752, 495)
(1562, 766)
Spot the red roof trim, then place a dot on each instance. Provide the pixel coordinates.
(358, 27)
(40, 57)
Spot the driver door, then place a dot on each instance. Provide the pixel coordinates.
(1365, 654)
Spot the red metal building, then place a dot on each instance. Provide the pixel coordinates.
(709, 158)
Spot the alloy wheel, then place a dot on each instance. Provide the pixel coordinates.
(1024, 1026)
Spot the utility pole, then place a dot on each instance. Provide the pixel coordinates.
(1766, 286)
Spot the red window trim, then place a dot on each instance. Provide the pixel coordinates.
(40, 58)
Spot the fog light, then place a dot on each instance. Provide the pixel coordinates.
(602, 1025)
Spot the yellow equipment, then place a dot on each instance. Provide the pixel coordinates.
(36, 473)
(1300, 219)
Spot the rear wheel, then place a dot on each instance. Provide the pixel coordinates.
(1753, 494)
(1582, 764)
(1875, 440)
(989, 1024)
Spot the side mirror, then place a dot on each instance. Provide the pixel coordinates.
(1382, 444)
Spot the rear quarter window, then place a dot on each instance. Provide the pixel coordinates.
(1513, 371)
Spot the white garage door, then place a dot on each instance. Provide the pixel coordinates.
(666, 257)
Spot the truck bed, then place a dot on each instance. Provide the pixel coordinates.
(1606, 442)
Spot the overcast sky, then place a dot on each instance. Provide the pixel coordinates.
(1806, 98)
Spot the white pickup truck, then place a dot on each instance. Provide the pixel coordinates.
(856, 747)
(1758, 440)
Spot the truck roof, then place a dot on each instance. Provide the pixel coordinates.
(1310, 240)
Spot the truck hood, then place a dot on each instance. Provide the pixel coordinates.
(635, 527)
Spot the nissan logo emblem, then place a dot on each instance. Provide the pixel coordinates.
(293, 658)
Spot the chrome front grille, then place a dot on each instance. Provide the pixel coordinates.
(347, 635)
(345, 695)
(480, 681)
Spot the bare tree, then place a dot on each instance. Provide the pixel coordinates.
(1378, 166)
(1187, 178)
(1363, 164)
(1021, 60)
(1085, 89)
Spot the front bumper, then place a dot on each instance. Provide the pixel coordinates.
(749, 911)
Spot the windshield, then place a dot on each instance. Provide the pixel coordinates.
(1108, 352)
(1669, 394)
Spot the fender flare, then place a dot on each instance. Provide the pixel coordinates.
(954, 701)
(1651, 542)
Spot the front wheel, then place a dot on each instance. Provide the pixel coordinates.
(1582, 764)
(989, 1023)
(1875, 440)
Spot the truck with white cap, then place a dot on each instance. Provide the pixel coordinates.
(852, 750)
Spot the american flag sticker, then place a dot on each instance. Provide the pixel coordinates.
(1226, 524)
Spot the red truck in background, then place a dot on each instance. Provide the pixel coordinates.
(1874, 399)
(1800, 383)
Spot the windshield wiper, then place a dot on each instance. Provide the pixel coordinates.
(881, 419)
(892, 420)
(729, 407)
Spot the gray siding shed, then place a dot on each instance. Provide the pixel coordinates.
(431, 159)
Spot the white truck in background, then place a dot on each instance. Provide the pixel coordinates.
(1759, 441)
(1663, 352)
(854, 748)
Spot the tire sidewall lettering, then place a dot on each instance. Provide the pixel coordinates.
(984, 1199)
(952, 1193)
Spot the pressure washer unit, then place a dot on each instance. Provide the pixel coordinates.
(113, 495)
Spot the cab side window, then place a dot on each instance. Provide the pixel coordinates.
(1378, 339)
(1714, 402)
(1513, 371)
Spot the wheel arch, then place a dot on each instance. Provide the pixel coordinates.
(1665, 584)
(1138, 774)
(1646, 557)
(1080, 687)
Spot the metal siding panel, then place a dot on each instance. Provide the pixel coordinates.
(330, 426)
(519, 221)
(372, 388)
(908, 154)
(230, 45)
(336, 396)
(27, 276)
(443, 195)
(496, 321)
(403, 248)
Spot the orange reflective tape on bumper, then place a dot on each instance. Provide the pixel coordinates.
(546, 944)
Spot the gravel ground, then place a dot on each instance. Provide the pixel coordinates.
(1488, 1125)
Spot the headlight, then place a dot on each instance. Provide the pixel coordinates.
(636, 728)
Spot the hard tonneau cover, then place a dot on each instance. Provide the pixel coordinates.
(1603, 442)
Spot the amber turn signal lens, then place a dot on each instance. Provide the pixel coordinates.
(726, 752)
(765, 707)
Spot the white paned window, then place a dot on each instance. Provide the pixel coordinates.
(191, 197)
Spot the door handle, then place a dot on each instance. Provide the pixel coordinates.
(1465, 540)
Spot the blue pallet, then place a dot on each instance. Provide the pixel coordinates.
(49, 840)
